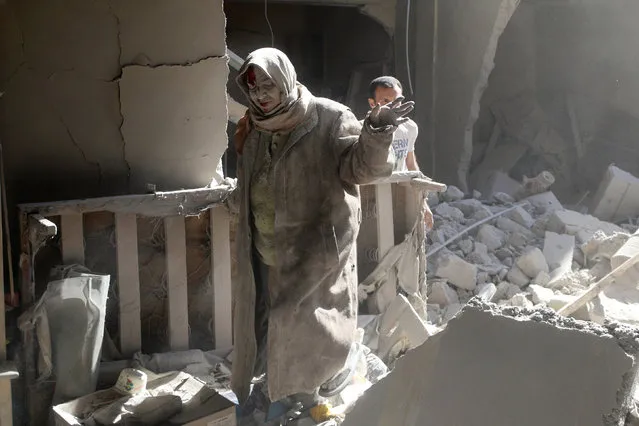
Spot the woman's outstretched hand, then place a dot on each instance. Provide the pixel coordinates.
(391, 114)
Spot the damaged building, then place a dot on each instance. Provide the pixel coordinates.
(116, 157)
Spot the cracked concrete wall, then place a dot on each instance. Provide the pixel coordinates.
(467, 36)
(102, 97)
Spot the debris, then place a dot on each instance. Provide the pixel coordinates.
(447, 211)
(499, 182)
(486, 292)
(514, 228)
(457, 271)
(617, 197)
(532, 262)
(522, 217)
(581, 225)
(558, 251)
(503, 198)
(545, 202)
(541, 279)
(602, 359)
(520, 300)
(452, 193)
(476, 194)
(537, 185)
(540, 294)
(518, 277)
(442, 294)
(505, 290)
(492, 237)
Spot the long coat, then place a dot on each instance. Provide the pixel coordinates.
(313, 314)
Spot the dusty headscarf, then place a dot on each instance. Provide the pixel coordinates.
(295, 97)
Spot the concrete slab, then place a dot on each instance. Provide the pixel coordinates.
(558, 251)
(508, 366)
(185, 142)
(169, 32)
(583, 226)
(617, 197)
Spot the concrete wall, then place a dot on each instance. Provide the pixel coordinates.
(467, 36)
(102, 97)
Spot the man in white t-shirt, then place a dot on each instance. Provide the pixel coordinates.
(382, 91)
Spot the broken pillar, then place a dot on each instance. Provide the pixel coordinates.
(508, 366)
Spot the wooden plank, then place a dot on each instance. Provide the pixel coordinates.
(159, 204)
(6, 410)
(385, 241)
(385, 227)
(221, 277)
(175, 231)
(126, 237)
(72, 239)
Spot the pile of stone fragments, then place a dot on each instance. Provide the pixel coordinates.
(525, 253)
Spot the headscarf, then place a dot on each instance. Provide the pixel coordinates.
(295, 97)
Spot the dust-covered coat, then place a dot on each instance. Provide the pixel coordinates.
(313, 313)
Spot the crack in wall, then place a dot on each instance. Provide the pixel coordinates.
(117, 81)
(79, 148)
(175, 64)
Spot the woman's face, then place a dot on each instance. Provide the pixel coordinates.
(262, 90)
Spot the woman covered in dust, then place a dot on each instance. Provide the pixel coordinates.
(300, 159)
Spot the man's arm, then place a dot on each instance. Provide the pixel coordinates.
(411, 162)
(364, 153)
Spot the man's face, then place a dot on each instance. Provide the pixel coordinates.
(262, 90)
(384, 95)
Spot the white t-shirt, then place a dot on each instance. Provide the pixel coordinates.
(404, 142)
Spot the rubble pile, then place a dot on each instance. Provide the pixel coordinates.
(527, 253)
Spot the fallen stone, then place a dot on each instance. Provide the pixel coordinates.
(617, 197)
(540, 294)
(581, 225)
(532, 262)
(470, 207)
(433, 199)
(434, 313)
(447, 211)
(505, 290)
(486, 292)
(511, 226)
(503, 253)
(492, 237)
(573, 282)
(476, 194)
(502, 197)
(541, 279)
(503, 273)
(442, 294)
(499, 182)
(482, 277)
(517, 277)
(451, 311)
(480, 215)
(466, 246)
(457, 271)
(558, 251)
(452, 193)
(602, 360)
(629, 249)
(545, 202)
(602, 246)
(517, 240)
(508, 262)
(521, 301)
(522, 217)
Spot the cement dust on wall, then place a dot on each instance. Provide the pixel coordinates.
(71, 69)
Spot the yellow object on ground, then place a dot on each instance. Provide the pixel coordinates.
(321, 412)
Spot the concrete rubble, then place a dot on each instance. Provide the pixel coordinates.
(491, 366)
(538, 254)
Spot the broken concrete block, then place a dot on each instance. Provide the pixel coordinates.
(521, 301)
(492, 237)
(457, 271)
(625, 252)
(503, 198)
(476, 194)
(617, 197)
(399, 324)
(532, 262)
(511, 345)
(451, 311)
(466, 246)
(447, 211)
(518, 277)
(545, 202)
(540, 294)
(442, 294)
(602, 246)
(581, 225)
(522, 217)
(470, 207)
(505, 290)
(513, 227)
(541, 279)
(452, 193)
(558, 251)
(486, 292)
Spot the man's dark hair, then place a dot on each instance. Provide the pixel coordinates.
(386, 82)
